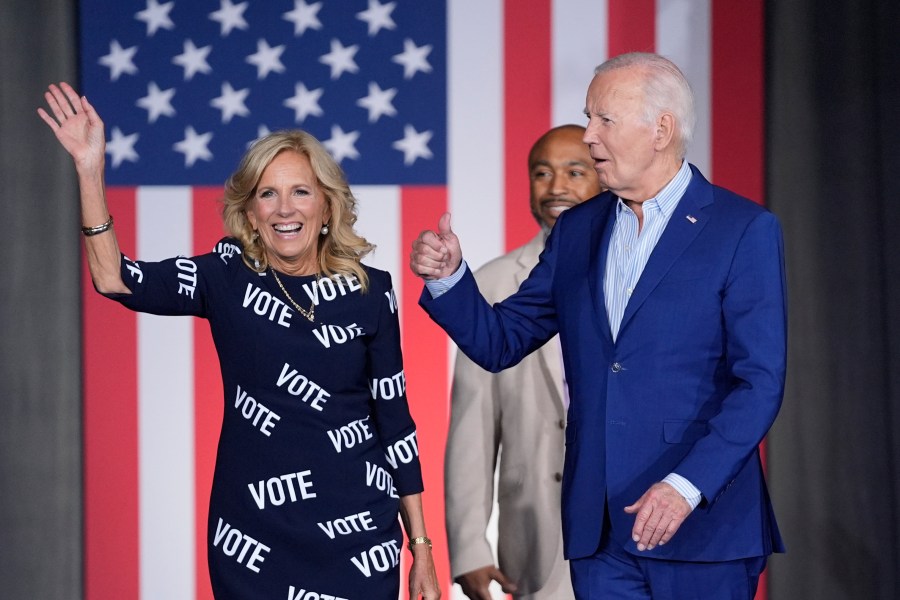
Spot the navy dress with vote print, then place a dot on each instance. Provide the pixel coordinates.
(317, 443)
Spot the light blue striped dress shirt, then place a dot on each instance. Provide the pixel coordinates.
(629, 249)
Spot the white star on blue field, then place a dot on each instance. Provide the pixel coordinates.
(185, 87)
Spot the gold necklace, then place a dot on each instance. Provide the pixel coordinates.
(309, 314)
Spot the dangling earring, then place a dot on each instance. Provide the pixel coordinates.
(253, 240)
(325, 229)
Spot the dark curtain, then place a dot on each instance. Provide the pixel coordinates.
(833, 169)
(833, 144)
(40, 353)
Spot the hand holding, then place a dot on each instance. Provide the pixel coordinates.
(436, 255)
(77, 126)
(660, 512)
(475, 583)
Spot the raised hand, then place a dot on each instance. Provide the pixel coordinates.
(79, 129)
(76, 125)
(436, 255)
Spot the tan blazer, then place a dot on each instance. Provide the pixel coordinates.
(520, 412)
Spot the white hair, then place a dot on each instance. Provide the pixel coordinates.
(665, 90)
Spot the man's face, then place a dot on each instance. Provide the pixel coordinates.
(621, 141)
(561, 175)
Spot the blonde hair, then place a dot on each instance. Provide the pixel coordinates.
(341, 250)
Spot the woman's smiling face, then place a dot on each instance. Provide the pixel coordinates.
(288, 211)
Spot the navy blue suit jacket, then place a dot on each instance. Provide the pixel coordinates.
(691, 385)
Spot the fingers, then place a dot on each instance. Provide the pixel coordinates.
(62, 101)
(660, 512)
(57, 103)
(89, 110)
(70, 93)
(48, 119)
(430, 257)
(423, 581)
(446, 233)
(507, 585)
(476, 584)
(444, 225)
(429, 243)
(669, 532)
(436, 255)
(645, 523)
(478, 594)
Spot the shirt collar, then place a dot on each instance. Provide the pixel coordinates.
(667, 198)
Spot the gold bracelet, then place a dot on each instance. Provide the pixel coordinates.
(89, 231)
(419, 540)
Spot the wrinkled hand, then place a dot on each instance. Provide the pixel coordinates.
(423, 581)
(660, 512)
(76, 124)
(475, 583)
(436, 255)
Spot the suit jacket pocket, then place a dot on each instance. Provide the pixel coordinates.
(684, 432)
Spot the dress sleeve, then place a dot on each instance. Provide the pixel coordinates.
(175, 286)
(387, 382)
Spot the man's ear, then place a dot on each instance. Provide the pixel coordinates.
(665, 130)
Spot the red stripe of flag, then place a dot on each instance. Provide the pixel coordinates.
(631, 26)
(738, 111)
(527, 88)
(738, 107)
(425, 364)
(111, 430)
(208, 404)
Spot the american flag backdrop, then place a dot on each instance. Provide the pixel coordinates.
(429, 105)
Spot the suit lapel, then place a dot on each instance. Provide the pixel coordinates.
(601, 233)
(528, 258)
(686, 223)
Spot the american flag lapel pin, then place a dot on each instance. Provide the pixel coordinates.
(692, 218)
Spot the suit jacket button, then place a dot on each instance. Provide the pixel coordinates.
(562, 424)
(616, 367)
(557, 476)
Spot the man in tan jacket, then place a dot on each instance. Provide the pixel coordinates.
(516, 418)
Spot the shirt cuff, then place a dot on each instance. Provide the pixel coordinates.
(437, 287)
(685, 488)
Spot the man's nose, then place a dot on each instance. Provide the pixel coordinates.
(557, 184)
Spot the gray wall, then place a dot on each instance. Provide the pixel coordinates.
(833, 149)
(40, 353)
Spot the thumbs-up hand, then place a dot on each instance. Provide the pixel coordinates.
(436, 254)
